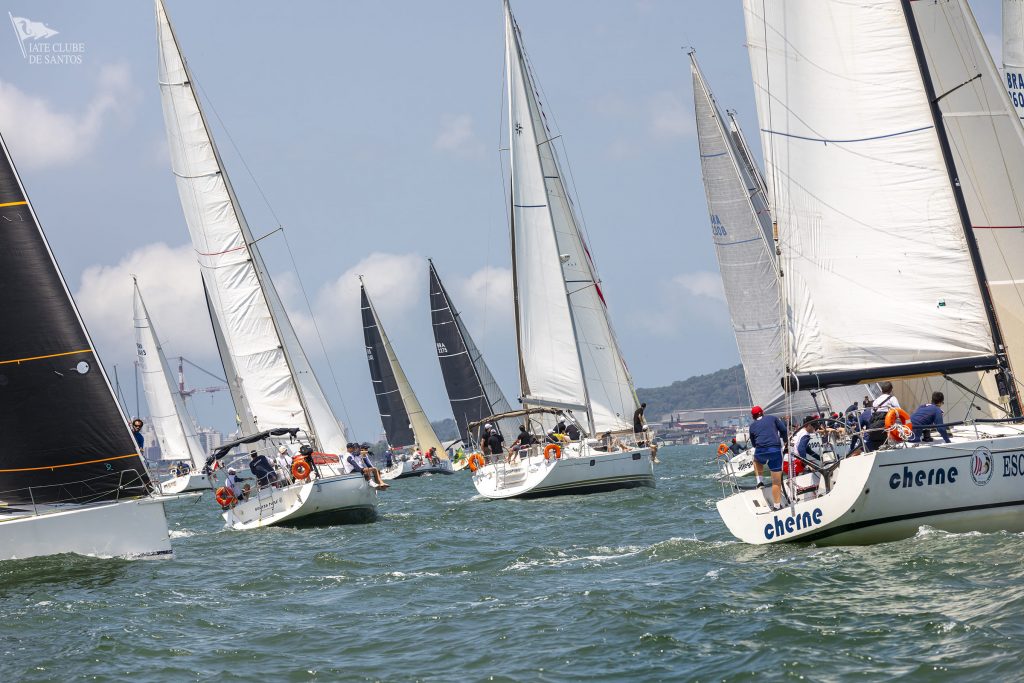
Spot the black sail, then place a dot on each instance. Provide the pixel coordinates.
(472, 390)
(389, 399)
(63, 437)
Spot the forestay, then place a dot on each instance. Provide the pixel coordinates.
(175, 431)
(877, 270)
(472, 390)
(569, 357)
(276, 378)
(62, 431)
(405, 423)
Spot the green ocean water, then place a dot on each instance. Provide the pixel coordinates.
(630, 585)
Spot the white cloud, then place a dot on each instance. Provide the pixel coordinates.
(170, 284)
(40, 136)
(669, 116)
(458, 137)
(702, 284)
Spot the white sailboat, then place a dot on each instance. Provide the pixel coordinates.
(569, 360)
(277, 397)
(742, 233)
(405, 423)
(71, 476)
(900, 182)
(175, 431)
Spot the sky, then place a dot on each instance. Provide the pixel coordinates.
(371, 131)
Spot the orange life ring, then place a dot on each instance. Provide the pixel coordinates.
(476, 461)
(552, 447)
(894, 432)
(300, 469)
(722, 449)
(225, 497)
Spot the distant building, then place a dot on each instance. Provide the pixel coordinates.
(209, 439)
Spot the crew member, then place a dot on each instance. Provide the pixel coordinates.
(929, 415)
(768, 434)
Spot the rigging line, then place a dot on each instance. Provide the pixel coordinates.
(316, 327)
(838, 141)
(201, 369)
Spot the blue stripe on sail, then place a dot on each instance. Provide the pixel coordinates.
(729, 244)
(712, 156)
(828, 140)
(530, 206)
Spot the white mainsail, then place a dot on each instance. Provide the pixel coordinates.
(271, 366)
(876, 263)
(421, 427)
(1013, 52)
(175, 431)
(568, 353)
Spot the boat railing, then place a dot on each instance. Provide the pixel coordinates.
(41, 496)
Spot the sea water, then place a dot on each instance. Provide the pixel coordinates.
(643, 584)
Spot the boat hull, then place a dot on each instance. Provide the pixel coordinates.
(407, 468)
(189, 482)
(134, 529)
(580, 470)
(340, 499)
(975, 485)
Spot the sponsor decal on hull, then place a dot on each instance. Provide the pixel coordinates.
(982, 466)
(801, 521)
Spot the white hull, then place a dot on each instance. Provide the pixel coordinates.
(340, 499)
(127, 529)
(189, 482)
(740, 465)
(581, 469)
(400, 469)
(975, 485)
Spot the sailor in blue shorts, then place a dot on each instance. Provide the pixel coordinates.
(767, 435)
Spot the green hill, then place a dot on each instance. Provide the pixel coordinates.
(721, 389)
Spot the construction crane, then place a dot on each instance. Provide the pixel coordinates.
(185, 393)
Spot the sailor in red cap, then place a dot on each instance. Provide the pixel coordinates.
(768, 436)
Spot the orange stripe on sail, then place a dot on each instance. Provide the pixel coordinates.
(73, 464)
(13, 204)
(52, 355)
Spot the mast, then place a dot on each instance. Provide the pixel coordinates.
(1004, 377)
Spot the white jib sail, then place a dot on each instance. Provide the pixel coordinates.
(567, 346)
(875, 260)
(271, 365)
(987, 140)
(1013, 52)
(421, 427)
(175, 431)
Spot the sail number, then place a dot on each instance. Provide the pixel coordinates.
(717, 229)
(138, 348)
(441, 349)
(1015, 84)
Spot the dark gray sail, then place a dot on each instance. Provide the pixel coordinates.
(389, 399)
(62, 432)
(472, 389)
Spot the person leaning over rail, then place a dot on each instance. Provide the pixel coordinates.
(768, 434)
(929, 415)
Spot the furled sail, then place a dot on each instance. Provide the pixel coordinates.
(1013, 52)
(64, 437)
(276, 377)
(175, 431)
(878, 277)
(472, 389)
(405, 423)
(568, 353)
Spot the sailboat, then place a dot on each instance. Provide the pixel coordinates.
(893, 182)
(742, 233)
(175, 431)
(472, 390)
(570, 366)
(71, 476)
(406, 425)
(277, 398)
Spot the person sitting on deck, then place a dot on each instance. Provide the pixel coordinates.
(231, 482)
(353, 463)
(495, 442)
(261, 468)
(284, 465)
(557, 433)
(929, 415)
(573, 432)
(734, 447)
